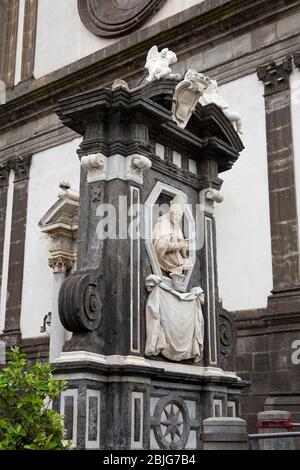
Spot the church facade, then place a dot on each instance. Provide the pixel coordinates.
(54, 56)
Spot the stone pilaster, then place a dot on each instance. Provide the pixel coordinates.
(21, 167)
(29, 38)
(282, 188)
(4, 177)
(9, 45)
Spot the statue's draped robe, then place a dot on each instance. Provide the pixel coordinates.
(174, 322)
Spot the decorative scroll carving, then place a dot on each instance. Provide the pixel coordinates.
(136, 165)
(228, 337)
(113, 18)
(80, 307)
(186, 96)
(95, 165)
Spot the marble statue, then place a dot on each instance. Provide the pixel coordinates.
(212, 95)
(158, 64)
(186, 96)
(169, 243)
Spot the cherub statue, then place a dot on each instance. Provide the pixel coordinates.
(212, 95)
(158, 64)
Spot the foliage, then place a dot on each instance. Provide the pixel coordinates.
(26, 418)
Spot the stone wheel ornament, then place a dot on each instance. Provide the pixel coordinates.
(227, 333)
(80, 307)
(172, 427)
(113, 18)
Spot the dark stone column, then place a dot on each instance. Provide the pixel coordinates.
(29, 38)
(285, 296)
(12, 333)
(4, 177)
(9, 44)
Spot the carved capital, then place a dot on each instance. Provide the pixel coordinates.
(297, 59)
(276, 75)
(21, 167)
(4, 175)
(80, 307)
(61, 264)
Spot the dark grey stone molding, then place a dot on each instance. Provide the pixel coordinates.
(48, 137)
(282, 187)
(108, 19)
(29, 38)
(126, 58)
(12, 332)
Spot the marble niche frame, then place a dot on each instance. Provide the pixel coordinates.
(162, 188)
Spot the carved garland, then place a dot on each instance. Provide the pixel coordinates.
(113, 18)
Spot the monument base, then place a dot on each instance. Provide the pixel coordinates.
(129, 402)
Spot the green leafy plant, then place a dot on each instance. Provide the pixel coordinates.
(26, 418)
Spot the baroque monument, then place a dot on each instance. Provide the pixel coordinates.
(145, 361)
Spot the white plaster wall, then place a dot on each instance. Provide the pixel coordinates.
(295, 105)
(62, 38)
(48, 169)
(243, 220)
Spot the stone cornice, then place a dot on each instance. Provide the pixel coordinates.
(205, 23)
(276, 75)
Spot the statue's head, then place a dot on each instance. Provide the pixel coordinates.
(164, 53)
(177, 207)
(172, 58)
(213, 85)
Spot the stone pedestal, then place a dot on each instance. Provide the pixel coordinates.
(225, 434)
(117, 398)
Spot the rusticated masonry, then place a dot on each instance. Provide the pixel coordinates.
(21, 168)
(282, 190)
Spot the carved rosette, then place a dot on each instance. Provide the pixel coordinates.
(172, 427)
(80, 307)
(113, 18)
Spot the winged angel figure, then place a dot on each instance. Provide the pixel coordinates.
(158, 64)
